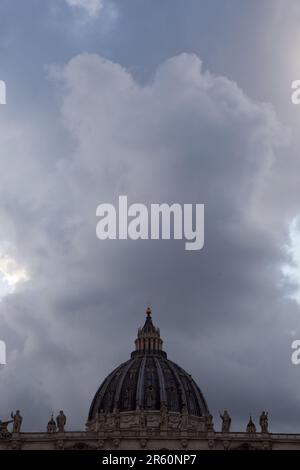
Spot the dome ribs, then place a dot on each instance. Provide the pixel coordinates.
(161, 381)
(140, 391)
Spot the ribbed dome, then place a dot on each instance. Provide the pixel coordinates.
(149, 380)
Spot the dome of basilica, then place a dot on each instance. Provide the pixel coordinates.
(149, 381)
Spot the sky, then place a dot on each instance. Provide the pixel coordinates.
(163, 101)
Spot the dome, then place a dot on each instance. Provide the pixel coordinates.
(148, 381)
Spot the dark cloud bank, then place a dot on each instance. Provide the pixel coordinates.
(186, 136)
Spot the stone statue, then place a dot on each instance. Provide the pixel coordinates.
(61, 421)
(226, 421)
(263, 421)
(209, 422)
(251, 428)
(51, 426)
(4, 432)
(17, 419)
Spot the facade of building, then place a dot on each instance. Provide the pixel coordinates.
(147, 403)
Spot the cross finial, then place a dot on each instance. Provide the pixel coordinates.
(149, 311)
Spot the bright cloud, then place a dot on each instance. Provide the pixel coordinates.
(292, 270)
(92, 7)
(12, 272)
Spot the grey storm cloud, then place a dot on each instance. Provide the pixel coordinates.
(185, 136)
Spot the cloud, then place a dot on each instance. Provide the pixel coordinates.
(92, 7)
(12, 272)
(185, 136)
(291, 270)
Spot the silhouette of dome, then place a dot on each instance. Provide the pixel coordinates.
(149, 380)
